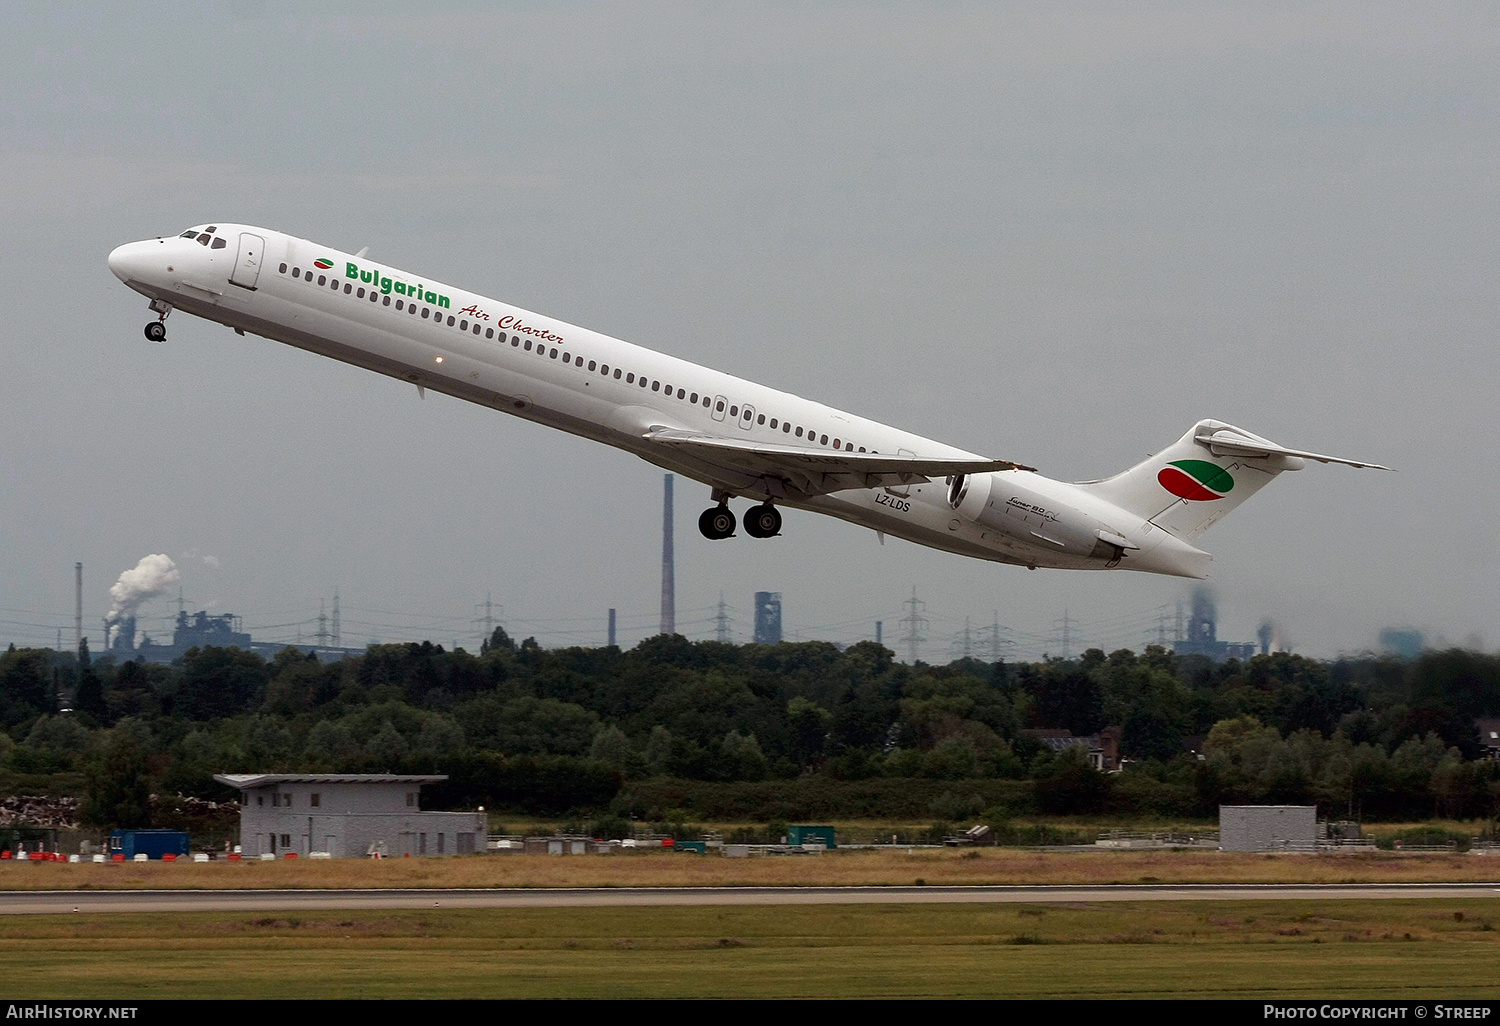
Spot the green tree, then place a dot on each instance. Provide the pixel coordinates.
(25, 681)
(118, 791)
(220, 682)
(88, 697)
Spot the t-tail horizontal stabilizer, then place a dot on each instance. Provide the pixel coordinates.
(1189, 486)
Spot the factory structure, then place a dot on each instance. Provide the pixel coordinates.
(1195, 634)
(205, 630)
(197, 631)
(1202, 634)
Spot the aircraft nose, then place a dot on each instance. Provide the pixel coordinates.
(131, 261)
(120, 261)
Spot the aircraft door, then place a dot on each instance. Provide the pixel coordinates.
(720, 405)
(247, 263)
(747, 417)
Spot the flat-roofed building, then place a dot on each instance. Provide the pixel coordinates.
(348, 815)
(1268, 827)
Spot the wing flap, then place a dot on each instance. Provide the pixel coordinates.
(808, 472)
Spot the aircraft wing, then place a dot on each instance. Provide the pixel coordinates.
(791, 471)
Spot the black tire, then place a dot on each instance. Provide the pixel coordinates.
(156, 331)
(716, 522)
(763, 521)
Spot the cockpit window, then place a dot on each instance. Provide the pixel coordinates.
(219, 243)
(205, 238)
(191, 233)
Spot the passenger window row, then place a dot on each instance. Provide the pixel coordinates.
(552, 353)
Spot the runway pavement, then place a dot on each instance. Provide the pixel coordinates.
(95, 902)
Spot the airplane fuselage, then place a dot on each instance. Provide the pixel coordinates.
(440, 337)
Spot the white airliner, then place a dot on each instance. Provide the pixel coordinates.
(742, 439)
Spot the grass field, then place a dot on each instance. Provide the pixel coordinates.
(1246, 949)
(667, 869)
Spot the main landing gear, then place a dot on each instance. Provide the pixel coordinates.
(156, 331)
(763, 521)
(717, 522)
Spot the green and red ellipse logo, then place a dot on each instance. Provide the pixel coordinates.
(1196, 480)
(322, 263)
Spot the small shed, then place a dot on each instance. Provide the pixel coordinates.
(1268, 827)
(801, 835)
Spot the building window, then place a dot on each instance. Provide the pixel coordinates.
(411, 799)
(286, 840)
(286, 800)
(316, 800)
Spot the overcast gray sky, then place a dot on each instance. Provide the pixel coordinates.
(1058, 234)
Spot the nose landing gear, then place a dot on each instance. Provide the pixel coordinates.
(156, 331)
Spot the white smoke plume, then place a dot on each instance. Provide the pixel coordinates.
(151, 577)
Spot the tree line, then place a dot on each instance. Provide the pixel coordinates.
(605, 729)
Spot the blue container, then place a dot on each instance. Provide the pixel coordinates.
(151, 843)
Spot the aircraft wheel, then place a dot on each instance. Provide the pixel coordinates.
(763, 521)
(716, 522)
(156, 331)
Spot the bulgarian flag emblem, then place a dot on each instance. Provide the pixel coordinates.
(1196, 480)
(322, 263)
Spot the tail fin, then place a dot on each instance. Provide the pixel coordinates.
(1190, 485)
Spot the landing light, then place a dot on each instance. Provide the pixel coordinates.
(439, 359)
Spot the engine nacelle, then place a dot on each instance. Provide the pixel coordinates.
(1001, 503)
